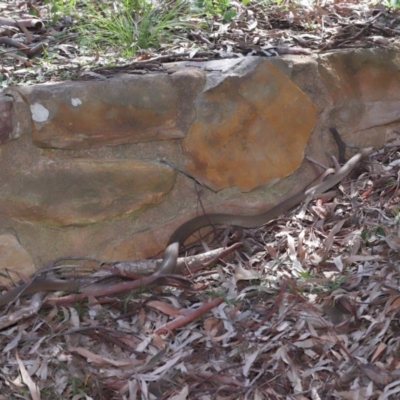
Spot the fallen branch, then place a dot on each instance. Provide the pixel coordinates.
(27, 23)
(142, 284)
(190, 263)
(190, 316)
(91, 284)
(29, 51)
(23, 313)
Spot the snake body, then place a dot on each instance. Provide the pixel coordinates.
(39, 285)
(168, 264)
(250, 221)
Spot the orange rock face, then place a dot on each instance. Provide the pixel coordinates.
(249, 130)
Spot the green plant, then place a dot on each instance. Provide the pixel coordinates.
(369, 233)
(305, 274)
(157, 24)
(392, 4)
(133, 24)
(229, 15)
(213, 8)
(57, 8)
(336, 283)
(210, 7)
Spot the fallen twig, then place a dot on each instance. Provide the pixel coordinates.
(118, 288)
(189, 317)
(23, 313)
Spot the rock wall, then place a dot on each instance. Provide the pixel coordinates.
(81, 162)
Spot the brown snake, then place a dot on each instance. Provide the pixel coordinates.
(188, 228)
(250, 221)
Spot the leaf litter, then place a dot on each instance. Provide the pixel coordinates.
(308, 308)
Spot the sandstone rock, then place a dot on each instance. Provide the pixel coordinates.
(365, 88)
(80, 192)
(127, 109)
(6, 119)
(249, 130)
(236, 125)
(13, 257)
